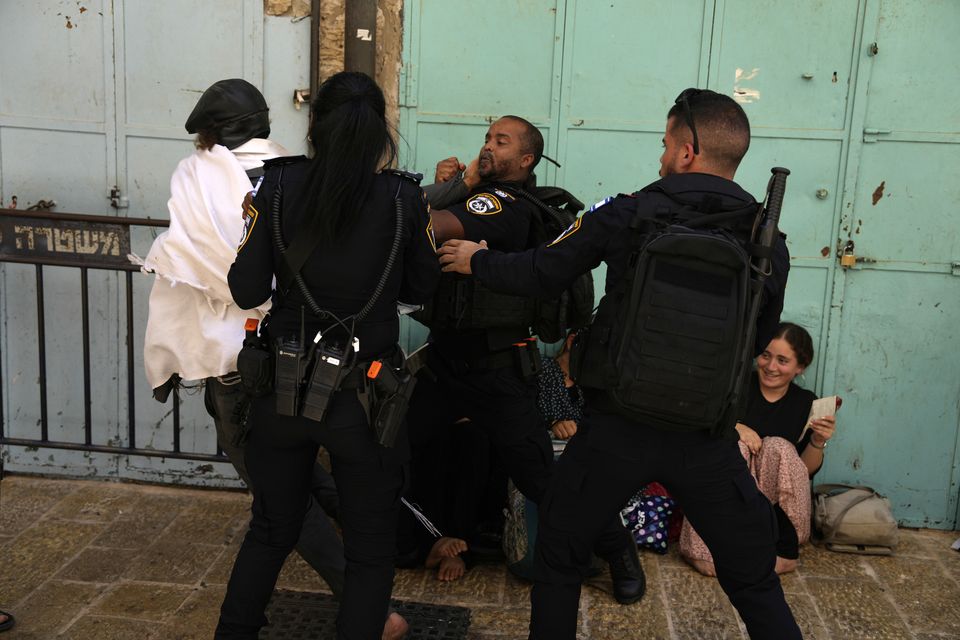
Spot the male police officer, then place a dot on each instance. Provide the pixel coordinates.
(482, 357)
(706, 136)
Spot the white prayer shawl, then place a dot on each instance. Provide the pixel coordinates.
(194, 328)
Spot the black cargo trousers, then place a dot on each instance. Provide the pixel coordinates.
(608, 460)
(280, 455)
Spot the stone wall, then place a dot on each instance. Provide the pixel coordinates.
(389, 41)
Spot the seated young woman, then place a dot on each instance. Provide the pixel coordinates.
(782, 456)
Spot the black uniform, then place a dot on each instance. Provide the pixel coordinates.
(473, 372)
(281, 450)
(610, 457)
(476, 375)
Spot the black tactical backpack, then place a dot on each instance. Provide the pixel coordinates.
(556, 210)
(461, 303)
(671, 344)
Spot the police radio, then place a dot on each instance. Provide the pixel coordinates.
(289, 374)
(290, 361)
(329, 362)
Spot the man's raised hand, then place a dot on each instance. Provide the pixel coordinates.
(447, 169)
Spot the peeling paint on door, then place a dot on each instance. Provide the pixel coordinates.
(878, 193)
(741, 94)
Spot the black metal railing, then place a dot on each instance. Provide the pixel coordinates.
(83, 242)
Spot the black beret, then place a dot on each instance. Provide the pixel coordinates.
(234, 110)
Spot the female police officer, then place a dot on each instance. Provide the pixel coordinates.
(346, 210)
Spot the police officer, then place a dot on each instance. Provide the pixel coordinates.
(707, 134)
(478, 366)
(193, 328)
(346, 205)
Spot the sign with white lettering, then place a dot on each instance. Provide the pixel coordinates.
(24, 238)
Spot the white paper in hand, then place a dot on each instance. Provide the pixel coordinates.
(820, 408)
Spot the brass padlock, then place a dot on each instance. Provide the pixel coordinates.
(847, 258)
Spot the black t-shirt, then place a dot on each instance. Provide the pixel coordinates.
(340, 276)
(784, 418)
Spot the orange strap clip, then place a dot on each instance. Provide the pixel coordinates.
(374, 369)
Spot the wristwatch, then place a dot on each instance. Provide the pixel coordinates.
(821, 447)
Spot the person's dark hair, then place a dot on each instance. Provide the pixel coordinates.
(798, 339)
(351, 142)
(722, 126)
(531, 141)
(206, 139)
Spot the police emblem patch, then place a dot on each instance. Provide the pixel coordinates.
(250, 215)
(484, 204)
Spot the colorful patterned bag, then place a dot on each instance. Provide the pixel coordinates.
(647, 517)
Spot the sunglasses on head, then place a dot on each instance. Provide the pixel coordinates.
(684, 99)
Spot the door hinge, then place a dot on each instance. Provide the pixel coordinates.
(955, 268)
(117, 200)
(870, 134)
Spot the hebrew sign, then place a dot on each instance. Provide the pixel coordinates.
(52, 241)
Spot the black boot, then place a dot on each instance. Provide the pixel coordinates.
(629, 581)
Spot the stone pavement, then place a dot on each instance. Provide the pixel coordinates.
(102, 561)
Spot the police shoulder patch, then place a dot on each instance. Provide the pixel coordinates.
(572, 229)
(431, 236)
(250, 215)
(484, 204)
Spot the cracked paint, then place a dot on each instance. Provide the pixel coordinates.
(745, 95)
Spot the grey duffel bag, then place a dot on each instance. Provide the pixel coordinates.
(854, 519)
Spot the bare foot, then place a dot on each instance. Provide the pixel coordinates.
(395, 627)
(703, 566)
(784, 565)
(451, 569)
(444, 548)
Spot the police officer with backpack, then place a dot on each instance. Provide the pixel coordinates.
(668, 326)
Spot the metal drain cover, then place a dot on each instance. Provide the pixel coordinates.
(300, 615)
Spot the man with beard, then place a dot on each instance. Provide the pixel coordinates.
(612, 455)
(482, 361)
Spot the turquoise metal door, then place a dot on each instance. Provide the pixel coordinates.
(599, 79)
(619, 69)
(464, 66)
(893, 338)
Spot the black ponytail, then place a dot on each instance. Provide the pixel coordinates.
(351, 143)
